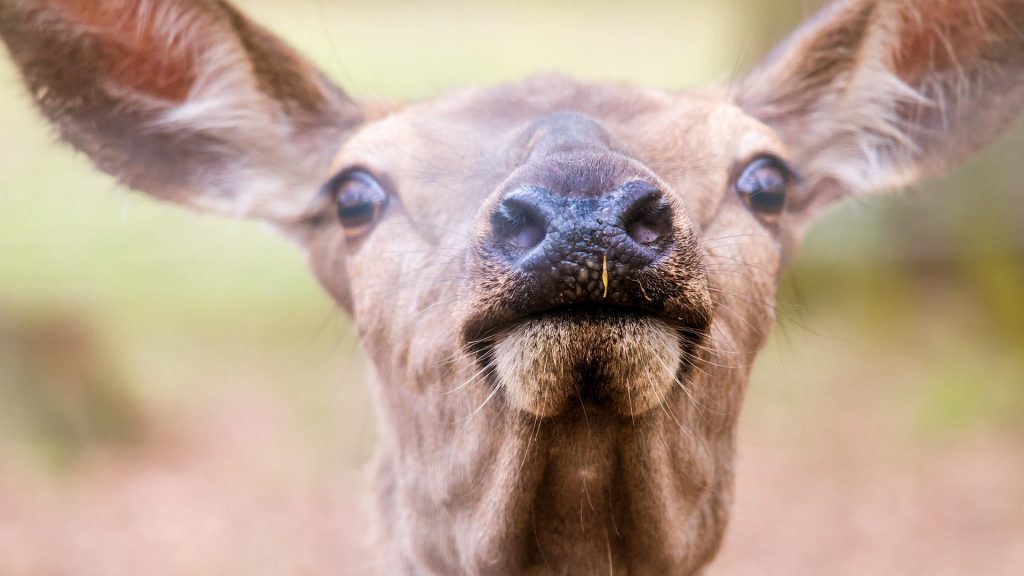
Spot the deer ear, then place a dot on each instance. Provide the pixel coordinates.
(875, 94)
(186, 100)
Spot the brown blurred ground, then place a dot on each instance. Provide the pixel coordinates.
(178, 397)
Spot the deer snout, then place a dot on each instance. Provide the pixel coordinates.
(575, 249)
(585, 286)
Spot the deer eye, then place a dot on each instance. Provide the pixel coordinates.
(763, 184)
(359, 200)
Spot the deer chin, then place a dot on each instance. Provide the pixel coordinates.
(587, 358)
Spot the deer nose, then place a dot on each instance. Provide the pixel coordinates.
(581, 248)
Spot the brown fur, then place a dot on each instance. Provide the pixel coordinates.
(496, 468)
(873, 94)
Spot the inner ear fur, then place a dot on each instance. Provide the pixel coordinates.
(187, 100)
(876, 94)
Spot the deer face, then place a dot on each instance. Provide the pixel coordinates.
(561, 285)
(580, 244)
(589, 269)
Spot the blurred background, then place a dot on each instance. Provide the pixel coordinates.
(177, 396)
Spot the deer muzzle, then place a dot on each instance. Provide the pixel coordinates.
(586, 288)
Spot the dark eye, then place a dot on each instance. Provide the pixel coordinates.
(762, 186)
(359, 199)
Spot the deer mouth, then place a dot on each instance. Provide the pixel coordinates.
(625, 360)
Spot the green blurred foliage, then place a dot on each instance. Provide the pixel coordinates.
(59, 395)
(921, 291)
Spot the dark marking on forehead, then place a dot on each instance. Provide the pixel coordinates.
(580, 173)
(565, 131)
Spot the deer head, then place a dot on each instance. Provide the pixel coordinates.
(561, 285)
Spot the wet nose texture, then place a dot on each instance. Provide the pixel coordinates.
(573, 249)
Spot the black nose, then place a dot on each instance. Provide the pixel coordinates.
(569, 248)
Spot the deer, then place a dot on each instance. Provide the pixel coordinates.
(561, 285)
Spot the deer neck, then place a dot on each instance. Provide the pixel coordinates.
(494, 491)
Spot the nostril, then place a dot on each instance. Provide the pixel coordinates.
(519, 223)
(647, 216)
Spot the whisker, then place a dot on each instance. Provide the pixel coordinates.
(472, 379)
(486, 401)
